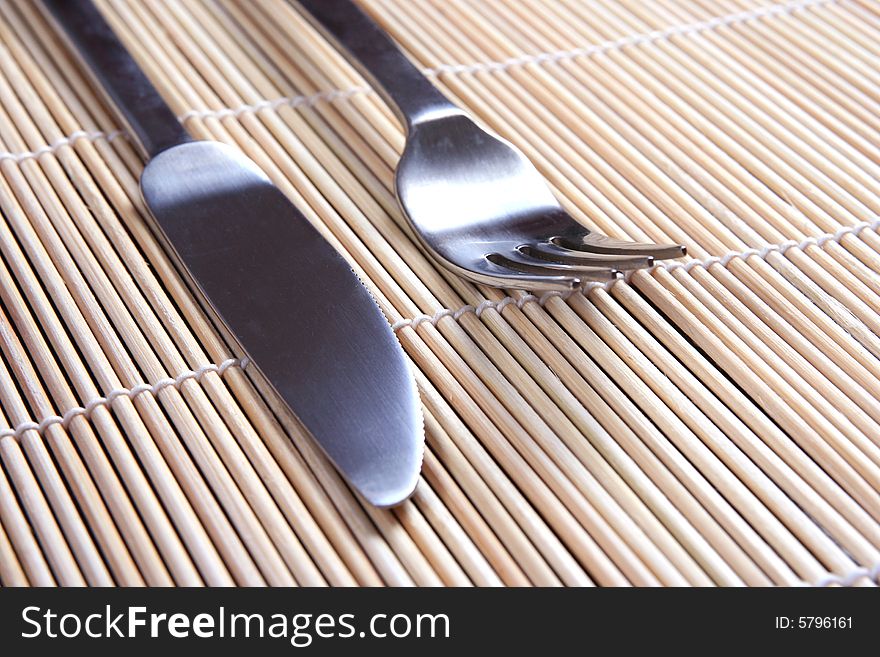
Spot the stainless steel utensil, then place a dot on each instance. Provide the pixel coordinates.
(476, 203)
(284, 297)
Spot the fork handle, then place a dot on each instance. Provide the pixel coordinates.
(115, 71)
(378, 58)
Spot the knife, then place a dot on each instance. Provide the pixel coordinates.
(285, 299)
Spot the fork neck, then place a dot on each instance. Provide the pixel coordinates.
(376, 56)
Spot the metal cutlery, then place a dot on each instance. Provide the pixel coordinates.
(474, 200)
(313, 335)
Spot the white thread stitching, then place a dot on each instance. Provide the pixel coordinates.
(86, 411)
(58, 143)
(292, 101)
(329, 96)
(831, 579)
(457, 69)
(633, 40)
(724, 260)
(542, 58)
(772, 10)
(872, 574)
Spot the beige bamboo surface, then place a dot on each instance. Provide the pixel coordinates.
(710, 422)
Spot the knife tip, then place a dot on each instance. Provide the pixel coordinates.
(387, 499)
(394, 491)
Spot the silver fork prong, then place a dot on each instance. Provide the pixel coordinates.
(602, 244)
(465, 190)
(522, 263)
(554, 253)
(508, 277)
(498, 275)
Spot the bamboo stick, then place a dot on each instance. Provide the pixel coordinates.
(85, 491)
(11, 572)
(714, 424)
(120, 316)
(58, 552)
(22, 538)
(122, 202)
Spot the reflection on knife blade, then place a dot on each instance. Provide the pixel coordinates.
(316, 340)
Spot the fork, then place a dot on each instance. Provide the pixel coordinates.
(474, 200)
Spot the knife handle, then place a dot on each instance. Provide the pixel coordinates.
(114, 70)
(378, 58)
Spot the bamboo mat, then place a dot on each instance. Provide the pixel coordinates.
(714, 421)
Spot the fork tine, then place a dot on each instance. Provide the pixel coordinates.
(554, 253)
(593, 242)
(497, 275)
(522, 263)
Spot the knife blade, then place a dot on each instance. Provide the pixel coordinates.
(314, 338)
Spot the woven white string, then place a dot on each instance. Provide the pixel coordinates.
(70, 140)
(780, 9)
(723, 260)
(872, 574)
(152, 388)
(292, 101)
(499, 305)
(784, 8)
(850, 579)
(434, 319)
